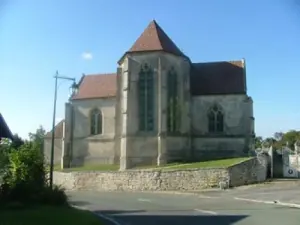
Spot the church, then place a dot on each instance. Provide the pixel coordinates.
(159, 107)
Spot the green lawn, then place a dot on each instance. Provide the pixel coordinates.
(46, 215)
(195, 165)
(90, 167)
(210, 164)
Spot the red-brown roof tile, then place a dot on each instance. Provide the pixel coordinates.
(155, 39)
(59, 129)
(218, 78)
(97, 86)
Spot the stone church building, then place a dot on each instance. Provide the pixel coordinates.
(158, 107)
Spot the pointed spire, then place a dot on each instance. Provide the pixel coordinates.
(155, 39)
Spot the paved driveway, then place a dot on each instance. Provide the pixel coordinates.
(216, 207)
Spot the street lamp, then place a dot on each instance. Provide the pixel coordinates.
(74, 89)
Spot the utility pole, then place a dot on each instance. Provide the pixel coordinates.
(74, 90)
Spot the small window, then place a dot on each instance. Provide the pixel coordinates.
(215, 120)
(96, 122)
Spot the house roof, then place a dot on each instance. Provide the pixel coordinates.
(155, 39)
(59, 129)
(210, 78)
(227, 77)
(4, 129)
(97, 86)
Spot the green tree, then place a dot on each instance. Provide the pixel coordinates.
(258, 142)
(17, 141)
(270, 140)
(278, 136)
(38, 137)
(290, 138)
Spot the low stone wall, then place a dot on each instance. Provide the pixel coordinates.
(248, 172)
(166, 180)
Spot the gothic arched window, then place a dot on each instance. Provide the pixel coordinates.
(146, 98)
(96, 122)
(215, 119)
(173, 117)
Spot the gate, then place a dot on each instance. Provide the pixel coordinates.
(277, 163)
(284, 163)
(290, 163)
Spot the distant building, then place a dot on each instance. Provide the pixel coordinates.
(159, 107)
(4, 129)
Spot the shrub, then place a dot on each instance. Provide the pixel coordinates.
(26, 167)
(24, 177)
(4, 158)
(55, 196)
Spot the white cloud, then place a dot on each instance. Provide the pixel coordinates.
(87, 56)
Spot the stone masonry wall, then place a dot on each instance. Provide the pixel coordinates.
(247, 172)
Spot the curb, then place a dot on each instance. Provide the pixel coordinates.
(103, 217)
(200, 192)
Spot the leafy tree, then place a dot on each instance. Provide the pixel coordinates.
(38, 137)
(270, 140)
(290, 138)
(17, 141)
(5, 147)
(278, 136)
(280, 139)
(258, 142)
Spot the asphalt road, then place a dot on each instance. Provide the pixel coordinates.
(219, 208)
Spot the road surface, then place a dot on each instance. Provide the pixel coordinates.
(219, 207)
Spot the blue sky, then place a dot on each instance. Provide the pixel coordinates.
(39, 37)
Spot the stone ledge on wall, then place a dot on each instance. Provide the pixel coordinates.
(250, 171)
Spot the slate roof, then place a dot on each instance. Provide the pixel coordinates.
(4, 129)
(218, 78)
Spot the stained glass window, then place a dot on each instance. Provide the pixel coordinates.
(96, 122)
(146, 99)
(173, 110)
(215, 120)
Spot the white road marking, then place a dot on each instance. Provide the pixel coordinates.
(275, 202)
(293, 205)
(205, 196)
(144, 200)
(255, 200)
(110, 219)
(113, 221)
(206, 211)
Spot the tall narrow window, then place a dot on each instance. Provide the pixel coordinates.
(215, 120)
(146, 99)
(96, 122)
(173, 110)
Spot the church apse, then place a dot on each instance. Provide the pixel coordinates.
(139, 95)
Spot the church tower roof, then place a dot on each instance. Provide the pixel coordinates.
(155, 39)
